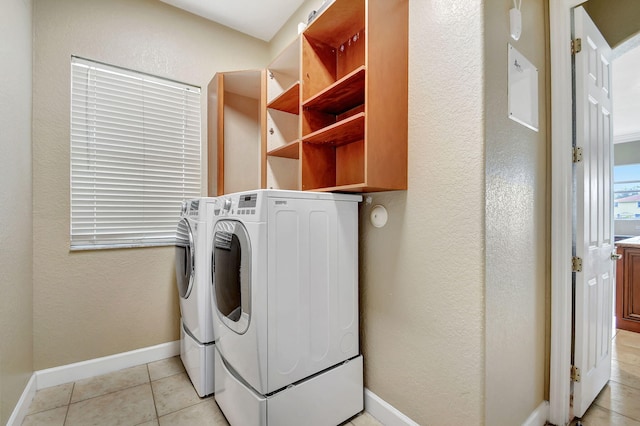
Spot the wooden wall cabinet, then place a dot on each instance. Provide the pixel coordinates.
(628, 285)
(354, 97)
(334, 106)
(236, 110)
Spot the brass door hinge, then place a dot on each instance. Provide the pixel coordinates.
(576, 264)
(575, 374)
(576, 46)
(577, 154)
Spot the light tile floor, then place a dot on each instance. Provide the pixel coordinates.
(158, 394)
(619, 402)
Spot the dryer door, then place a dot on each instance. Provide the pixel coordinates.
(231, 274)
(185, 258)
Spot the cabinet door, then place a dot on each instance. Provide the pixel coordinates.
(629, 291)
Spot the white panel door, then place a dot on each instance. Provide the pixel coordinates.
(593, 208)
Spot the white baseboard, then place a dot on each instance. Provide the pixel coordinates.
(108, 364)
(539, 416)
(22, 407)
(384, 412)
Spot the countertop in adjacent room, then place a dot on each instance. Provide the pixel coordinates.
(629, 242)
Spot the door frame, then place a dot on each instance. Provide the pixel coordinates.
(561, 208)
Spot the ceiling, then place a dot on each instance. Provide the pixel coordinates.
(258, 18)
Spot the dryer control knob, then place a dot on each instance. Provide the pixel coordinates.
(227, 204)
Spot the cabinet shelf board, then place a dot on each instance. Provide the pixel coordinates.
(287, 101)
(244, 83)
(338, 21)
(344, 94)
(290, 150)
(341, 133)
(355, 187)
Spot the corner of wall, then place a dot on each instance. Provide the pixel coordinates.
(16, 286)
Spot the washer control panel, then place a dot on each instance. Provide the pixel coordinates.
(243, 205)
(190, 208)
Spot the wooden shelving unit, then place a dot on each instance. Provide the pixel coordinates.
(334, 103)
(354, 97)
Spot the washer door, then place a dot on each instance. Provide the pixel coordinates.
(185, 258)
(231, 274)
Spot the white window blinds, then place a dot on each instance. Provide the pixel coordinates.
(135, 155)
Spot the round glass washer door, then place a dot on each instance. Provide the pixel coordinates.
(231, 274)
(185, 258)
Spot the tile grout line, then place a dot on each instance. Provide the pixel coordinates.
(108, 393)
(153, 395)
(201, 401)
(66, 414)
(616, 412)
(624, 384)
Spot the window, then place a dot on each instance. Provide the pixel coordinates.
(626, 187)
(135, 155)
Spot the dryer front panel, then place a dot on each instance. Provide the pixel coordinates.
(312, 287)
(231, 274)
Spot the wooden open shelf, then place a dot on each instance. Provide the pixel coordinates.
(335, 102)
(287, 101)
(290, 150)
(341, 96)
(341, 133)
(327, 166)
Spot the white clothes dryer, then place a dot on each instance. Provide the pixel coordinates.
(194, 289)
(285, 299)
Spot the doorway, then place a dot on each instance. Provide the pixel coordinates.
(561, 198)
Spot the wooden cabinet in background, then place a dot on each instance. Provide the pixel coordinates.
(628, 285)
(235, 133)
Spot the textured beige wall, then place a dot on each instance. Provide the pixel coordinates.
(422, 275)
(97, 303)
(516, 226)
(16, 324)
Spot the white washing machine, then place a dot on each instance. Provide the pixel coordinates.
(193, 269)
(285, 300)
